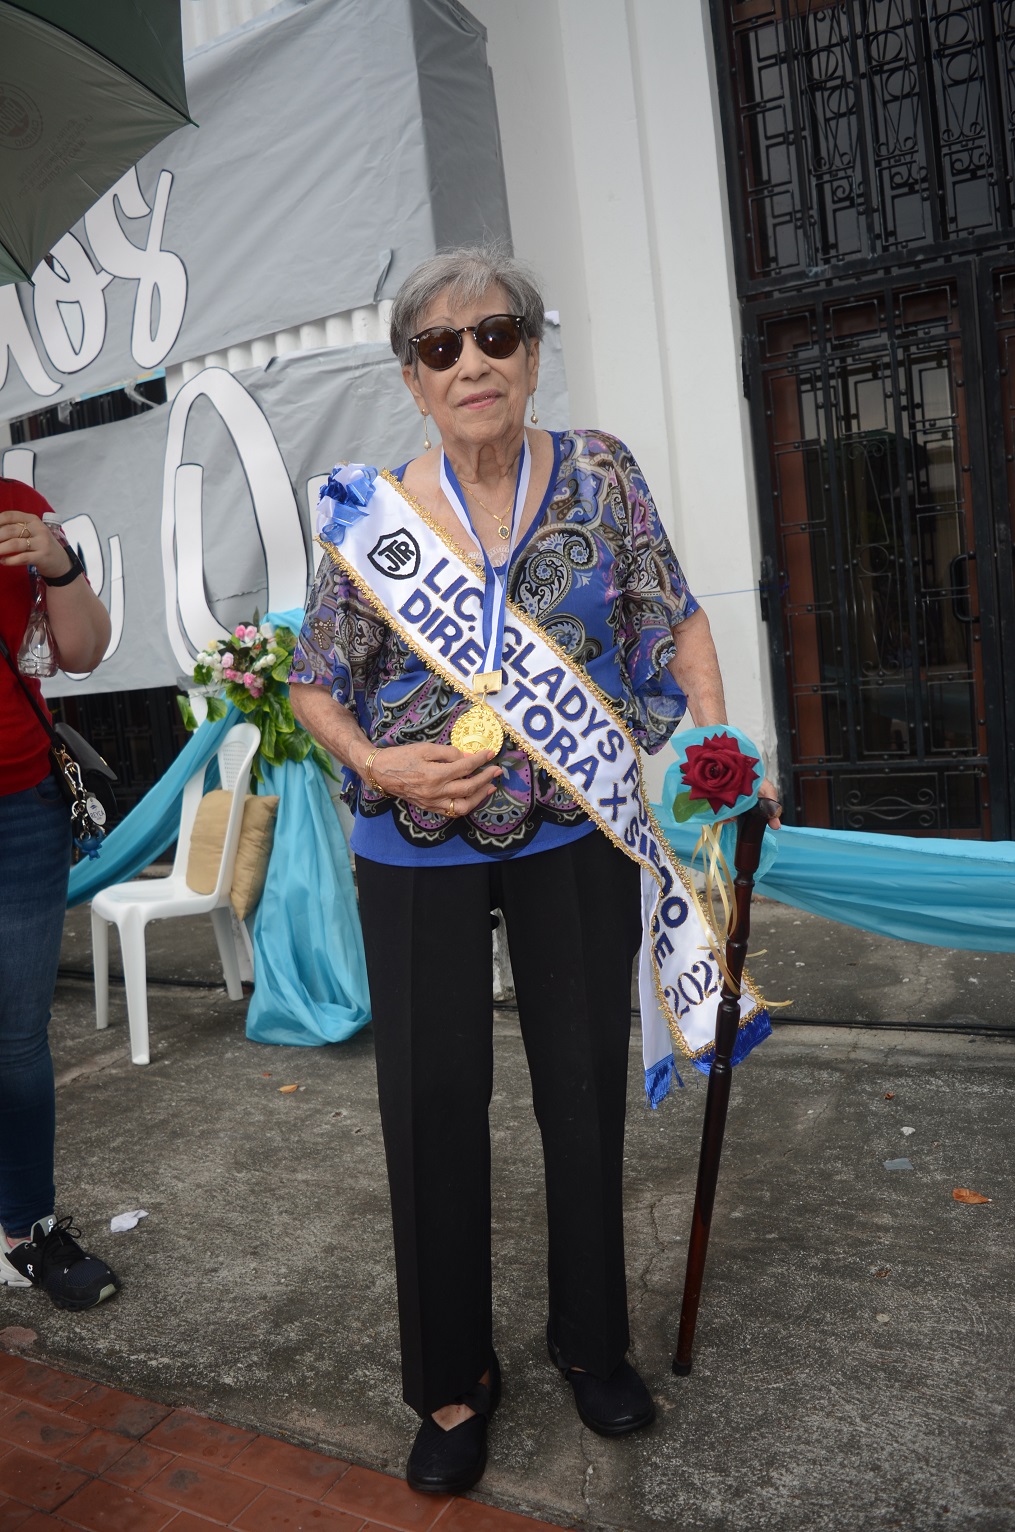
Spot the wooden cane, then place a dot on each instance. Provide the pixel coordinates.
(750, 834)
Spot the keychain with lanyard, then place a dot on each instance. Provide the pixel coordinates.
(480, 728)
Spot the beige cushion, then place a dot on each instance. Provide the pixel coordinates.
(251, 869)
(208, 837)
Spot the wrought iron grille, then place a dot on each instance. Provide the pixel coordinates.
(870, 148)
(869, 477)
(866, 130)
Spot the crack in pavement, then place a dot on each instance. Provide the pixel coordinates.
(93, 1065)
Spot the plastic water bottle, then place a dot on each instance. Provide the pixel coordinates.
(37, 655)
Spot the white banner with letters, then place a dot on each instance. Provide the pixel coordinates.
(193, 515)
(338, 144)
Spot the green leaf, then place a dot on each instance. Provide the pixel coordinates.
(186, 713)
(298, 745)
(322, 759)
(683, 808)
(241, 698)
(217, 708)
(268, 747)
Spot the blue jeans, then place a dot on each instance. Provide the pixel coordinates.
(35, 848)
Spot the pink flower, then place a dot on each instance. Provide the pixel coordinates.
(249, 678)
(249, 634)
(255, 689)
(239, 632)
(228, 661)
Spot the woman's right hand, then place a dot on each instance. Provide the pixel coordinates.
(435, 777)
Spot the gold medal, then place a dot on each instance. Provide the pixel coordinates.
(478, 729)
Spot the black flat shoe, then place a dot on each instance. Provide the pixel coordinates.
(450, 1462)
(612, 1406)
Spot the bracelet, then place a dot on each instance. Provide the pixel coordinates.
(371, 780)
(76, 568)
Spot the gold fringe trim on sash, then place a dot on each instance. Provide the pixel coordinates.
(545, 764)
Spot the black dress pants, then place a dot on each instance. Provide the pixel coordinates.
(573, 927)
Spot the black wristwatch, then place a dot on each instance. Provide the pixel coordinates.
(76, 568)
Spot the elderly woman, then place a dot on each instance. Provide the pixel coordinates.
(453, 821)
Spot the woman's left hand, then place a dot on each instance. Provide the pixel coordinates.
(24, 539)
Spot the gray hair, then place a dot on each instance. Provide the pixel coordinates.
(466, 272)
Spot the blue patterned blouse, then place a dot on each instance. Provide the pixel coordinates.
(596, 570)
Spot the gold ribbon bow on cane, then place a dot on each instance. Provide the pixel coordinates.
(718, 886)
(717, 773)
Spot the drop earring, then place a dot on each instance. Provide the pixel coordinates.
(427, 443)
(534, 417)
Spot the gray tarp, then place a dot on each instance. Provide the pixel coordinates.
(199, 511)
(339, 143)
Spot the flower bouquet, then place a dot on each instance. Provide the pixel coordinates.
(251, 670)
(719, 773)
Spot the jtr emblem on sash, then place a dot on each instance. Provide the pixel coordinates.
(396, 555)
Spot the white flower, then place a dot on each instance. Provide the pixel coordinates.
(267, 630)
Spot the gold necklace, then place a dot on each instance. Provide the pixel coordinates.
(503, 527)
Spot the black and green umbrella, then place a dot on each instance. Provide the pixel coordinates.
(86, 88)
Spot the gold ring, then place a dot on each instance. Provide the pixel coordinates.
(25, 532)
(451, 809)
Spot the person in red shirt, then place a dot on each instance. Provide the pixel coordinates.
(36, 1248)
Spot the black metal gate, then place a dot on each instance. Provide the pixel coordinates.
(871, 160)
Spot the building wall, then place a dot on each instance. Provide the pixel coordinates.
(613, 163)
(616, 190)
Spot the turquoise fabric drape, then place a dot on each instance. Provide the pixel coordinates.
(944, 893)
(150, 827)
(310, 972)
(309, 969)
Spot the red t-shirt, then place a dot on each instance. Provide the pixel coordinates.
(24, 747)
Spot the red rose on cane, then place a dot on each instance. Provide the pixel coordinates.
(718, 771)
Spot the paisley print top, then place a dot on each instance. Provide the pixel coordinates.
(596, 570)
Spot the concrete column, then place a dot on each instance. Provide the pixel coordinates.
(616, 188)
(715, 522)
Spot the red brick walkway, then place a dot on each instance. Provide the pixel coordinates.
(77, 1455)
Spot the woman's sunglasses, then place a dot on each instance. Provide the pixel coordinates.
(440, 347)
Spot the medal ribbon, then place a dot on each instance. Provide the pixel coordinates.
(495, 590)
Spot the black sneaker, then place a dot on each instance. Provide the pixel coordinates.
(53, 1260)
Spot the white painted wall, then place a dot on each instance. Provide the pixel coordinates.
(616, 188)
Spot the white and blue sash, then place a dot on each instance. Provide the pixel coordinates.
(406, 567)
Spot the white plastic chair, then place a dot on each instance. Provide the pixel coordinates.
(130, 906)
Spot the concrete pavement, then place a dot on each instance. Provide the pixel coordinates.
(854, 1351)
